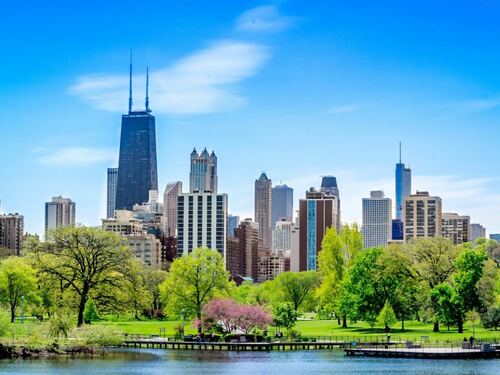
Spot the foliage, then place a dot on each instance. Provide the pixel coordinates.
(90, 313)
(152, 281)
(296, 287)
(229, 316)
(387, 317)
(17, 282)
(59, 326)
(4, 323)
(491, 317)
(194, 280)
(284, 316)
(102, 336)
(86, 262)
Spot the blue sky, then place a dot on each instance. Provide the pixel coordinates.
(298, 89)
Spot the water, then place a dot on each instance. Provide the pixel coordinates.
(150, 361)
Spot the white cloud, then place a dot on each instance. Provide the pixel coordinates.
(263, 19)
(77, 156)
(346, 108)
(477, 105)
(202, 82)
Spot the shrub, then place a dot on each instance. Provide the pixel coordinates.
(4, 323)
(90, 313)
(59, 325)
(102, 336)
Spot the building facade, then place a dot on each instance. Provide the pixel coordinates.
(282, 237)
(271, 265)
(477, 231)
(317, 212)
(403, 186)
(146, 248)
(377, 220)
(170, 196)
(112, 181)
(124, 223)
(263, 207)
(422, 215)
(12, 233)
(203, 173)
(137, 167)
(330, 188)
(232, 223)
(495, 236)
(60, 212)
(455, 227)
(282, 204)
(201, 222)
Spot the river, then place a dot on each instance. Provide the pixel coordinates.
(151, 361)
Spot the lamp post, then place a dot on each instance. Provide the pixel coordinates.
(22, 309)
(182, 324)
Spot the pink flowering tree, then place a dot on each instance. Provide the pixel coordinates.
(228, 316)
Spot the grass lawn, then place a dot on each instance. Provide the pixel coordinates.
(413, 330)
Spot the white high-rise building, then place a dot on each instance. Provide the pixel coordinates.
(377, 220)
(262, 212)
(203, 173)
(60, 212)
(282, 237)
(172, 192)
(422, 214)
(201, 222)
(111, 192)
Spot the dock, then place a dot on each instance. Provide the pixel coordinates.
(428, 353)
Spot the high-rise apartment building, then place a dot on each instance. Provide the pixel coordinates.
(12, 232)
(201, 222)
(111, 191)
(203, 174)
(263, 206)
(282, 237)
(249, 249)
(137, 169)
(232, 223)
(495, 236)
(422, 215)
(317, 212)
(330, 188)
(455, 227)
(403, 185)
(377, 220)
(170, 196)
(124, 223)
(60, 212)
(271, 265)
(477, 231)
(282, 204)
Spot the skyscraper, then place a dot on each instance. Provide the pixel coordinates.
(403, 185)
(60, 212)
(137, 173)
(111, 192)
(330, 188)
(203, 174)
(232, 223)
(317, 212)
(422, 216)
(12, 232)
(263, 201)
(477, 231)
(172, 192)
(377, 220)
(282, 204)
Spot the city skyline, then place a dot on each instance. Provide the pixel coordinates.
(278, 120)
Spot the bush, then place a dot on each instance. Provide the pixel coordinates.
(59, 325)
(90, 313)
(4, 323)
(102, 336)
(154, 314)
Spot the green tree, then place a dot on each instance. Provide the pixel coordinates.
(194, 280)
(338, 252)
(284, 316)
(386, 317)
(296, 287)
(153, 279)
(433, 260)
(17, 281)
(83, 261)
(491, 317)
(90, 312)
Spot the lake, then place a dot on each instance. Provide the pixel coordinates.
(151, 361)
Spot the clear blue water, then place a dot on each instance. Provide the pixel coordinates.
(150, 361)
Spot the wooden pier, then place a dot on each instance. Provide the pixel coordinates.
(428, 353)
(230, 346)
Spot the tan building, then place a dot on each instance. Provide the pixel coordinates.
(170, 196)
(146, 248)
(456, 228)
(123, 223)
(263, 208)
(11, 232)
(422, 216)
(271, 265)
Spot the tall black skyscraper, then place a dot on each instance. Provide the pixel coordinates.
(137, 172)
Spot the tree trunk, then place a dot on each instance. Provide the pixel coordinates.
(436, 326)
(12, 313)
(198, 316)
(81, 306)
(338, 320)
(402, 324)
(387, 329)
(344, 322)
(460, 324)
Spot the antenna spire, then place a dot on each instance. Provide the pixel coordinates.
(147, 89)
(130, 85)
(399, 152)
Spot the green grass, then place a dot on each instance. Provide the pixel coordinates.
(413, 330)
